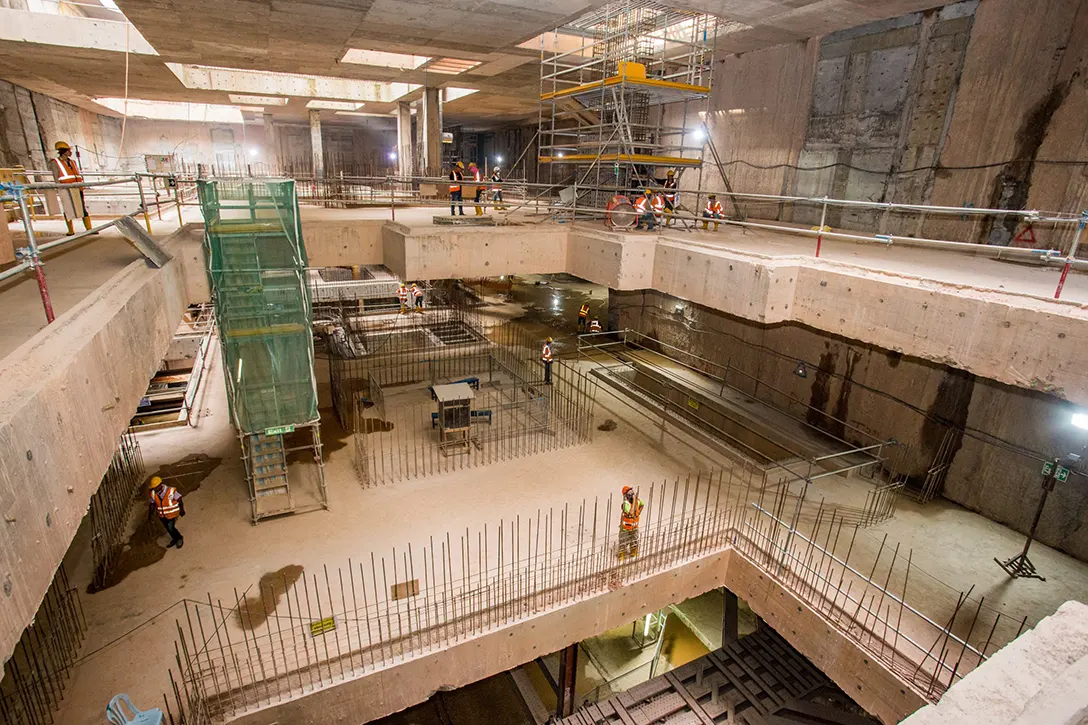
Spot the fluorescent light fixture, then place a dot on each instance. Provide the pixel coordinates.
(1080, 420)
(173, 111)
(735, 111)
(257, 100)
(334, 105)
(381, 59)
(451, 66)
(452, 94)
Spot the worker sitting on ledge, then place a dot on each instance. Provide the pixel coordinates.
(644, 211)
(630, 511)
(713, 210)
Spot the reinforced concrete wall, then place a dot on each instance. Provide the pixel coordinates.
(889, 394)
(65, 396)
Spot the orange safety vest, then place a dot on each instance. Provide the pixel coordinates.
(165, 505)
(69, 171)
(594, 326)
(476, 176)
(714, 208)
(640, 205)
(670, 186)
(546, 353)
(629, 514)
(402, 293)
(658, 204)
(583, 311)
(456, 175)
(416, 292)
(496, 180)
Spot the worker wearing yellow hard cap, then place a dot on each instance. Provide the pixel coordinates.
(630, 511)
(669, 195)
(546, 358)
(166, 503)
(457, 177)
(66, 171)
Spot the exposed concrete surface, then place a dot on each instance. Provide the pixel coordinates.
(64, 397)
(1039, 679)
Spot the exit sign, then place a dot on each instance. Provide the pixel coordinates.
(1062, 474)
(279, 431)
(1048, 468)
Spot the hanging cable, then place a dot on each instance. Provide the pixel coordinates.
(124, 115)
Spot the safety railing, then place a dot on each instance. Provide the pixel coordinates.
(304, 631)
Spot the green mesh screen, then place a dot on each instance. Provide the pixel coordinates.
(256, 266)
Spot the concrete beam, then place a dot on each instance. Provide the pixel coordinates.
(69, 31)
(93, 363)
(238, 80)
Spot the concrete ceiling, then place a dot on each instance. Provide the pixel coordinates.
(311, 36)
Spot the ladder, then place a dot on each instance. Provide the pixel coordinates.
(268, 464)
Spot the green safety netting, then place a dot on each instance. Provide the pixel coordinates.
(256, 266)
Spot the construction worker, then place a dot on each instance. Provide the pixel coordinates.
(66, 171)
(583, 317)
(670, 195)
(457, 176)
(474, 171)
(595, 325)
(166, 503)
(713, 210)
(658, 205)
(630, 511)
(496, 189)
(402, 295)
(417, 298)
(644, 212)
(546, 358)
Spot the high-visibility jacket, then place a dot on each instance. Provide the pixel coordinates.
(640, 205)
(594, 326)
(714, 207)
(456, 177)
(402, 294)
(670, 190)
(66, 171)
(583, 311)
(629, 513)
(546, 353)
(658, 205)
(496, 180)
(168, 503)
(477, 176)
(416, 292)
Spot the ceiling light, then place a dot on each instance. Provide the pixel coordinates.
(451, 66)
(257, 100)
(253, 151)
(334, 105)
(1080, 420)
(498, 159)
(173, 111)
(699, 134)
(381, 59)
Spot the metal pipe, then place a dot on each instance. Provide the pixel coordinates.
(35, 259)
(1071, 259)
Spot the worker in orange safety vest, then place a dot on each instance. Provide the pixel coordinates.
(165, 502)
(402, 295)
(417, 298)
(66, 171)
(630, 511)
(474, 171)
(595, 325)
(670, 195)
(713, 210)
(457, 176)
(644, 212)
(546, 358)
(658, 204)
(583, 317)
(496, 189)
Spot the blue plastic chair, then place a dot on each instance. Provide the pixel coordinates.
(116, 714)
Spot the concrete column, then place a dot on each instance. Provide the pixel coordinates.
(404, 139)
(315, 142)
(432, 132)
(271, 149)
(568, 674)
(730, 618)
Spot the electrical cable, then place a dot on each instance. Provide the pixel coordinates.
(124, 116)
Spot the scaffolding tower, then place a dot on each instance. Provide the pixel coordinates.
(621, 89)
(256, 266)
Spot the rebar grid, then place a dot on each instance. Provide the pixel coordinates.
(111, 505)
(296, 637)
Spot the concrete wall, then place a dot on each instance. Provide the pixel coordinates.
(854, 390)
(397, 687)
(92, 363)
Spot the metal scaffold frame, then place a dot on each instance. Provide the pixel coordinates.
(605, 86)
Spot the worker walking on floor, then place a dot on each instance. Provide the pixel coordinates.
(713, 210)
(474, 171)
(66, 171)
(546, 358)
(166, 503)
(670, 196)
(583, 317)
(402, 295)
(496, 189)
(630, 511)
(417, 298)
(457, 177)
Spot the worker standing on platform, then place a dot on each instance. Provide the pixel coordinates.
(402, 295)
(474, 172)
(166, 503)
(644, 212)
(546, 358)
(595, 325)
(496, 189)
(66, 171)
(583, 317)
(713, 210)
(457, 176)
(630, 511)
(417, 298)
(670, 195)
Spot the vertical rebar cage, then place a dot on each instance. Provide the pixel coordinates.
(619, 91)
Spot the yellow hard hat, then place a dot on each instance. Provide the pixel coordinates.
(649, 191)
(460, 164)
(548, 340)
(61, 145)
(154, 482)
(711, 196)
(670, 172)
